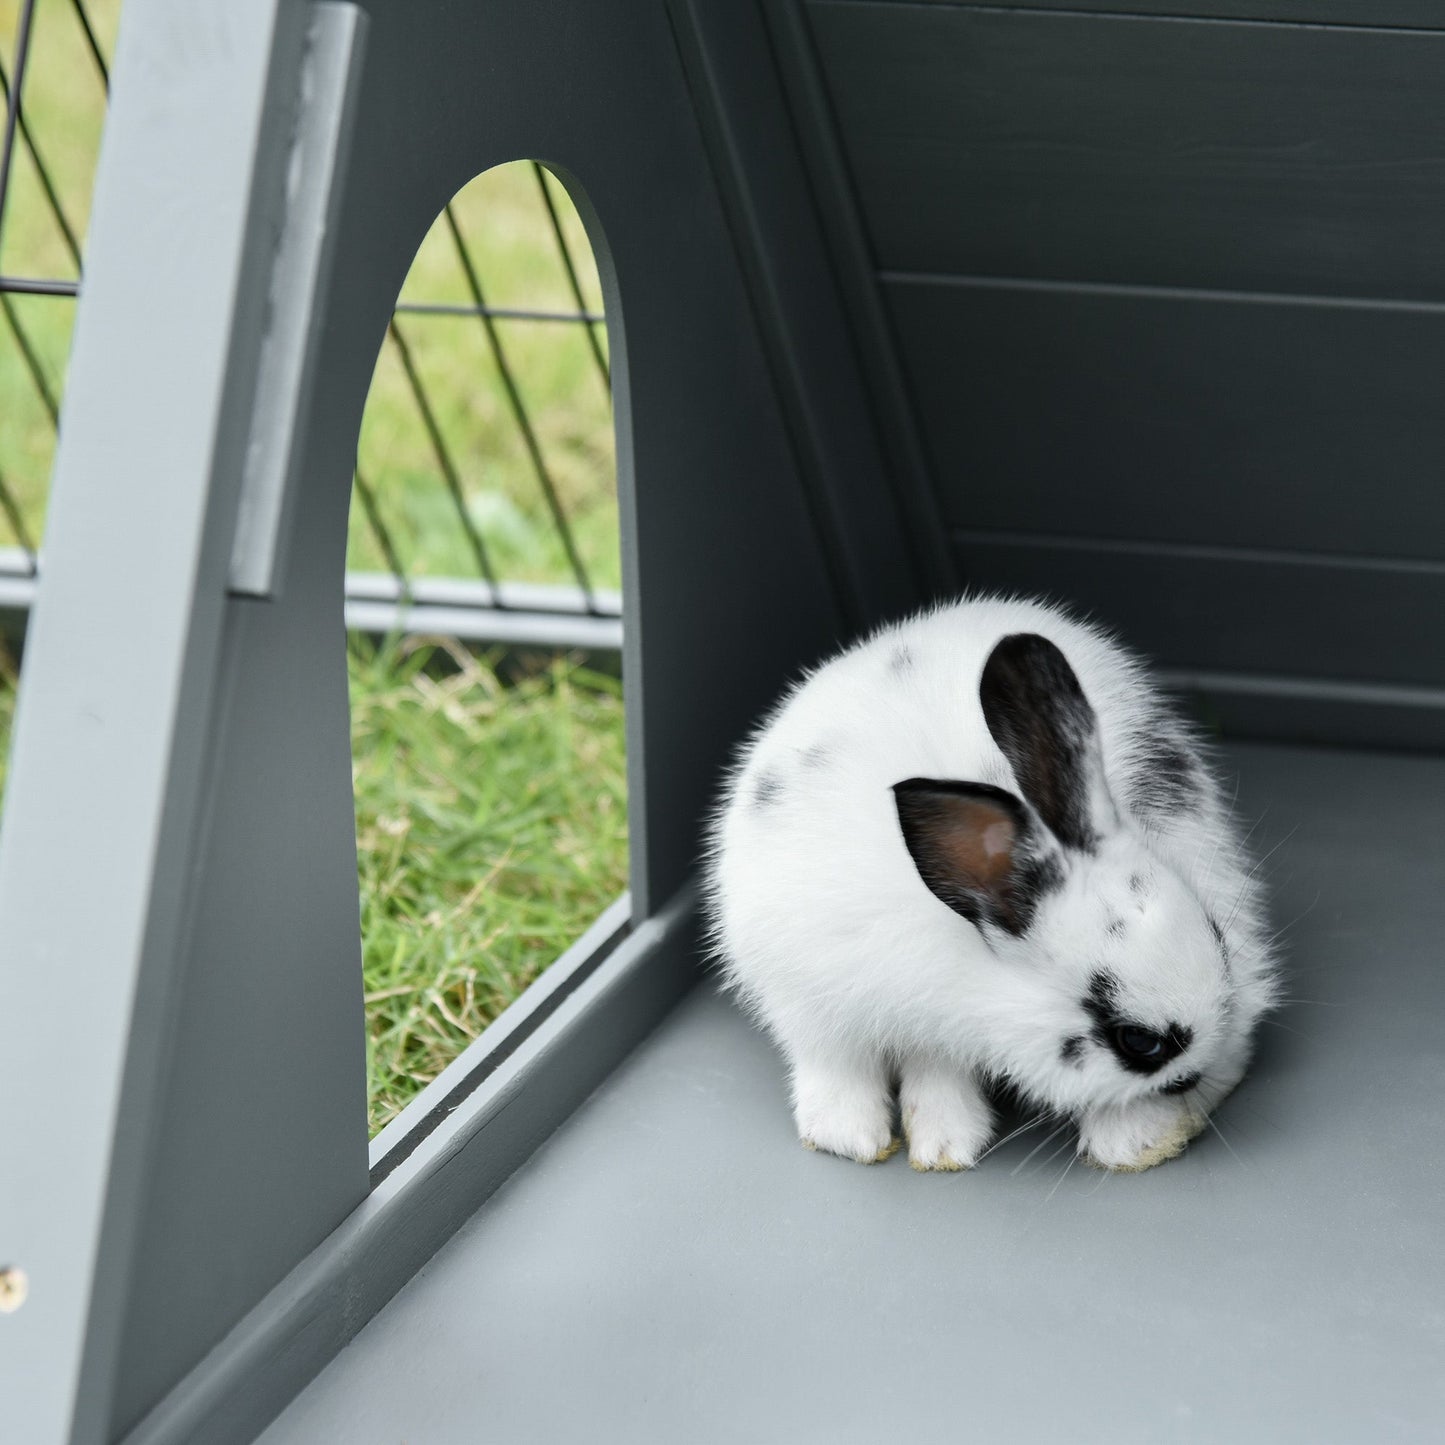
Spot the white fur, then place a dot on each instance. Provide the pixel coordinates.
(865, 978)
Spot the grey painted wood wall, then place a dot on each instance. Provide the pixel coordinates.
(1168, 296)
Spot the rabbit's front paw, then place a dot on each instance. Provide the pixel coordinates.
(1132, 1137)
(844, 1112)
(945, 1118)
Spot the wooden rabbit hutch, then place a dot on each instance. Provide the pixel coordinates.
(1136, 303)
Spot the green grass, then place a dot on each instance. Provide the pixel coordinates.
(491, 827)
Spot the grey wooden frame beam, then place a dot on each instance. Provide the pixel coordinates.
(109, 761)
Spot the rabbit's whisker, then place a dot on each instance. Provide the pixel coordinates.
(1073, 1160)
(1013, 1134)
(1051, 1135)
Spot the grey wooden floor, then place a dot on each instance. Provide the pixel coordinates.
(672, 1266)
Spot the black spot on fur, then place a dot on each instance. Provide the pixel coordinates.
(1102, 1005)
(767, 790)
(814, 756)
(1169, 778)
(1138, 885)
(1038, 877)
(1114, 926)
(1223, 942)
(1182, 1086)
(1102, 1001)
(1072, 1050)
(1174, 775)
(901, 659)
(1045, 727)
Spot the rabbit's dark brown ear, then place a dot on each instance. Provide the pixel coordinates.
(973, 846)
(1045, 727)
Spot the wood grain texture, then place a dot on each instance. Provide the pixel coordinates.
(847, 255)
(1185, 418)
(1375, 14)
(1148, 152)
(1205, 610)
(1320, 711)
(199, 1120)
(860, 498)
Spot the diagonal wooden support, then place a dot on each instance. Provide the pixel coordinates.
(178, 872)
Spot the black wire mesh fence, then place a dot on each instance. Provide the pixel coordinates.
(484, 503)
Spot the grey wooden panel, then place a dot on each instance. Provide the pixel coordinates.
(1213, 609)
(861, 496)
(278, 980)
(1321, 711)
(1282, 158)
(1415, 14)
(122, 758)
(846, 247)
(1181, 418)
(522, 1091)
(673, 1267)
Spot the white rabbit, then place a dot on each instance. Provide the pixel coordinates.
(979, 846)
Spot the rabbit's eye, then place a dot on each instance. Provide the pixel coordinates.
(1140, 1050)
(1142, 1044)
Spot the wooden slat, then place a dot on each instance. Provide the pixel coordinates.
(1200, 610)
(1155, 152)
(1244, 422)
(1376, 14)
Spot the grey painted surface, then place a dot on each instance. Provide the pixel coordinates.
(1196, 418)
(1322, 711)
(877, 565)
(1271, 614)
(1165, 297)
(846, 247)
(117, 765)
(258, 1128)
(1422, 14)
(438, 1180)
(319, 147)
(1149, 152)
(672, 1266)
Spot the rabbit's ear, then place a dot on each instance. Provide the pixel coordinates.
(976, 849)
(1042, 722)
